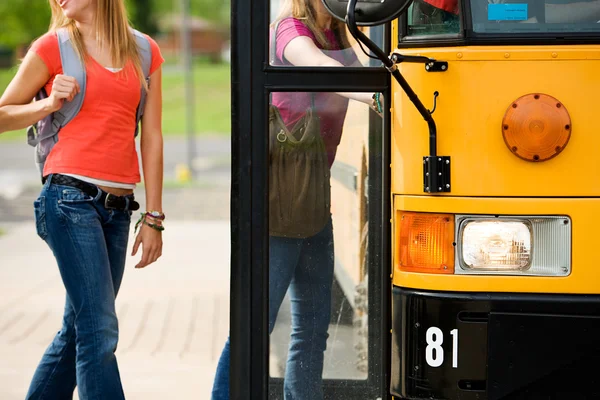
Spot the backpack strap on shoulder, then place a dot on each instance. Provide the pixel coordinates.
(146, 60)
(72, 66)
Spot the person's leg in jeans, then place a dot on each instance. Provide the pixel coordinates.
(73, 226)
(220, 390)
(310, 293)
(283, 258)
(55, 376)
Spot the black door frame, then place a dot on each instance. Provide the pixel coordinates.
(252, 80)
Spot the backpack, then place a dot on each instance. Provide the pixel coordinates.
(43, 135)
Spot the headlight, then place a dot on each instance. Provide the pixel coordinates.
(539, 245)
(496, 245)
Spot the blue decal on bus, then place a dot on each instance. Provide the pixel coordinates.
(507, 12)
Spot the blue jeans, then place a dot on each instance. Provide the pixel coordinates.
(89, 243)
(305, 266)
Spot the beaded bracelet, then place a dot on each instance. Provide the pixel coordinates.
(143, 221)
(377, 103)
(157, 227)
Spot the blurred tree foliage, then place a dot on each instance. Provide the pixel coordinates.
(21, 21)
(141, 15)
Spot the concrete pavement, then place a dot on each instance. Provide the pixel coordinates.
(173, 314)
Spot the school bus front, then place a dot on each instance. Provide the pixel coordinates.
(495, 283)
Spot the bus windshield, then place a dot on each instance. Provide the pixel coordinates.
(535, 16)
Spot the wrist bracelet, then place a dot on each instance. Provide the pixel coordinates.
(377, 102)
(156, 215)
(143, 221)
(156, 227)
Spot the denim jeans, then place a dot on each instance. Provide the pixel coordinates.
(89, 243)
(305, 266)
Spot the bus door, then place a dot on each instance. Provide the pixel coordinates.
(313, 304)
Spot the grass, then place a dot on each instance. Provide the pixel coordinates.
(212, 112)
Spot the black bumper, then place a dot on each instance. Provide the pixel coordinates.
(495, 346)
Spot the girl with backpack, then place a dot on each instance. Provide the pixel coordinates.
(84, 209)
(305, 34)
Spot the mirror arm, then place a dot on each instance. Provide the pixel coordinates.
(398, 58)
(393, 68)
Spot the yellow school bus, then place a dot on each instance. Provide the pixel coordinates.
(495, 289)
(495, 286)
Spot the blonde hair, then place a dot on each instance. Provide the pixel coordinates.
(304, 11)
(112, 31)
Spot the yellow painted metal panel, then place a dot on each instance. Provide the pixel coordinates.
(475, 92)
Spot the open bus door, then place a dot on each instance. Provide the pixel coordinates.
(356, 359)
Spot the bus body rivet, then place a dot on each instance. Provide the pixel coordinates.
(554, 55)
(506, 55)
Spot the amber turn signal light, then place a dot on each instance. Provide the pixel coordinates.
(425, 242)
(536, 127)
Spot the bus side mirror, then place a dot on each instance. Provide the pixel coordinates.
(369, 12)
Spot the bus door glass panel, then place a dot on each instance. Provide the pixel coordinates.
(318, 243)
(335, 41)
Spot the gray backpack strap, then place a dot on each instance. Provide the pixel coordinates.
(72, 66)
(146, 59)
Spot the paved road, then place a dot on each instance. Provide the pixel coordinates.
(173, 315)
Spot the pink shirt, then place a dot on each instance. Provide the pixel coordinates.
(331, 107)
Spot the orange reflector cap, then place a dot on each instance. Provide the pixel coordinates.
(536, 127)
(425, 242)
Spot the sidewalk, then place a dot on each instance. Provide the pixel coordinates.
(173, 314)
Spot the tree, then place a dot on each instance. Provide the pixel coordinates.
(142, 16)
(22, 22)
(211, 10)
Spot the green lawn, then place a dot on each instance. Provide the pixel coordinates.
(212, 100)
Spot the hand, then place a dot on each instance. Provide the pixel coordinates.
(63, 88)
(151, 241)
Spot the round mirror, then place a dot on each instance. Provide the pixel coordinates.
(369, 12)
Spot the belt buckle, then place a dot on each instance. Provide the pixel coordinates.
(107, 200)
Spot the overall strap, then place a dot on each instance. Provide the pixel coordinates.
(145, 51)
